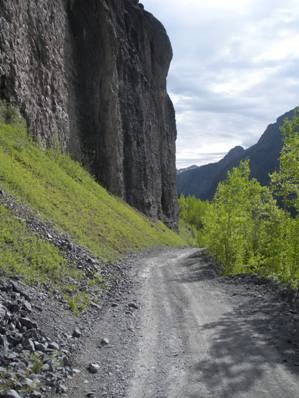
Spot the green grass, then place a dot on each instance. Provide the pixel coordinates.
(63, 193)
(37, 261)
(24, 253)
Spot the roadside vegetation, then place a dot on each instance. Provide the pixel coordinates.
(243, 227)
(25, 254)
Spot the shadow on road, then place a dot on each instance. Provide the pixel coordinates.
(194, 270)
(260, 330)
(243, 341)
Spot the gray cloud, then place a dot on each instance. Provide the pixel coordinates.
(235, 70)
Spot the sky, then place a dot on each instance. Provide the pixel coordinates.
(235, 70)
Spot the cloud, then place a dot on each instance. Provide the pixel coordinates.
(235, 70)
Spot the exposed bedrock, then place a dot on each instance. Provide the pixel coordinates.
(91, 76)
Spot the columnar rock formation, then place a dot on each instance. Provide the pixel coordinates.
(91, 76)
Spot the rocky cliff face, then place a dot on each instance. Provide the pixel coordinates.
(91, 76)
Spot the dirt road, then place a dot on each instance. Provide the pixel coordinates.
(193, 335)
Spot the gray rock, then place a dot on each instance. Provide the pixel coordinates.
(51, 380)
(12, 356)
(3, 345)
(29, 344)
(27, 306)
(95, 305)
(12, 306)
(53, 346)
(93, 368)
(35, 394)
(2, 312)
(77, 333)
(15, 339)
(133, 305)
(10, 394)
(27, 382)
(46, 367)
(104, 341)
(15, 287)
(39, 346)
(28, 323)
(61, 389)
(66, 361)
(19, 290)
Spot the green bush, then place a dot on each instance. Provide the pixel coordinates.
(192, 214)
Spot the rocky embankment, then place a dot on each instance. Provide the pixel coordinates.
(30, 361)
(39, 334)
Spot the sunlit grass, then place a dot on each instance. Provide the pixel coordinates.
(63, 193)
(25, 254)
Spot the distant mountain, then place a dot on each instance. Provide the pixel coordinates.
(202, 181)
(187, 169)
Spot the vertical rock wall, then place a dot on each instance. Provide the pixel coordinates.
(91, 74)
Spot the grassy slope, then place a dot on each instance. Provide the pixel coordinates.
(62, 192)
(36, 261)
(24, 253)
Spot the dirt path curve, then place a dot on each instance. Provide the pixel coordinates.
(193, 336)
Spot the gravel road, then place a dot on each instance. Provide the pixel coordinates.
(180, 331)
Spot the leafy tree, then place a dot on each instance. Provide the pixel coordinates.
(243, 227)
(192, 213)
(237, 221)
(286, 181)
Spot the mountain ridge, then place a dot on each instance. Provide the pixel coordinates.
(202, 181)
